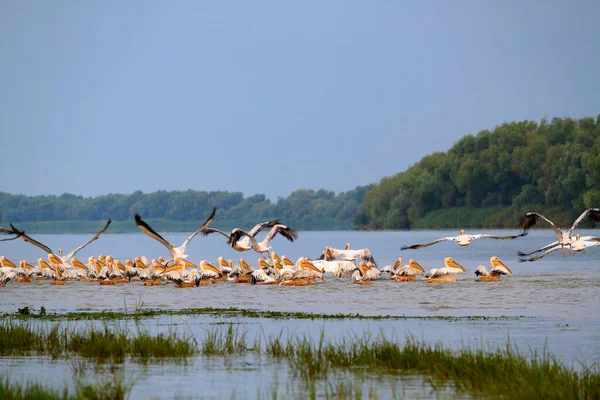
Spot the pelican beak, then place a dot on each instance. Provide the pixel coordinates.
(209, 267)
(454, 264)
(416, 265)
(287, 261)
(497, 263)
(173, 268)
(189, 264)
(263, 264)
(78, 264)
(398, 263)
(140, 264)
(9, 263)
(309, 265)
(120, 266)
(29, 266)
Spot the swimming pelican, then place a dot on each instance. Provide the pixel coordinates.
(564, 237)
(408, 272)
(176, 252)
(62, 261)
(242, 244)
(462, 239)
(331, 254)
(445, 274)
(359, 277)
(338, 268)
(263, 246)
(498, 269)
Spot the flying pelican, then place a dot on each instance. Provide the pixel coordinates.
(244, 243)
(564, 237)
(60, 260)
(176, 252)
(498, 269)
(445, 274)
(331, 254)
(462, 239)
(578, 245)
(408, 272)
(263, 246)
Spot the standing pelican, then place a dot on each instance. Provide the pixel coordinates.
(498, 269)
(445, 274)
(462, 239)
(176, 252)
(564, 237)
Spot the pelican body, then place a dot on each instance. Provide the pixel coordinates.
(495, 274)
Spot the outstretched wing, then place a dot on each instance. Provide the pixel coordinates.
(34, 242)
(71, 254)
(485, 236)
(544, 254)
(144, 227)
(259, 227)
(528, 220)
(593, 213)
(208, 231)
(419, 246)
(285, 231)
(546, 247)
(202, 228)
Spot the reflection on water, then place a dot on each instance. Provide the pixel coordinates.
(558, 295)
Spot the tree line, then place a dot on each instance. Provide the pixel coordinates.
(489, 179)
(303, 209)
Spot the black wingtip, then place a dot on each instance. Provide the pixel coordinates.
(138, 219)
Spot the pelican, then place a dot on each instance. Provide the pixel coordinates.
(242, 244)
(176, 252)
(338, 268)
(179, 274)
(445, 274)
(25, 271)
(578, 245)
(261, 274)
(408, 272)
(359, 277)
(498, 269)
(60, 260)
(462, 239)
(564, 237)
(370, 271)
(331, 254)
(263, 246)
(306, 275)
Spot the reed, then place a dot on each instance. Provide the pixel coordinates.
(219, 342)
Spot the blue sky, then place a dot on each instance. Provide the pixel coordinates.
(268, 97)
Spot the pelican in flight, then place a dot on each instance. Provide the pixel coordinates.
(462, 239)
(331, 254)
(564, 237)
(578, 245)
(242, 244)
(63, 262)
(445, 274)
(263, 246)
(498, 269)
(176, 252)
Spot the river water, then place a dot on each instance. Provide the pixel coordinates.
(555, 298)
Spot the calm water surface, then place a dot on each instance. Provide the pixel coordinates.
(558, 297)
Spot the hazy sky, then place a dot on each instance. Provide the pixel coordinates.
(268, 97)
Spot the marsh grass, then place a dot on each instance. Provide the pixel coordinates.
(108, 342)
(226, 342)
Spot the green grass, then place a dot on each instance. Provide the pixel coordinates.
(232, 312)
(231, 341)
(109, 342)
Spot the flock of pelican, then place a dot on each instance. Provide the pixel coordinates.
(358, 264)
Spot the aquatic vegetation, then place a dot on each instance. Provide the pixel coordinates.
(219, 342)
(234, 312)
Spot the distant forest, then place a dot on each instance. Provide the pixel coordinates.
(489, 179)
(484, 181)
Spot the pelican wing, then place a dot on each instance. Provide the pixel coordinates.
(528, 220)
(202, 228)
(236, 236)
(484, 236)
(544, 254)
(34, 242)
(546, 247)
(419, 246)
(287, 232)
(208, 231)
(144, 227)
(592, 213)
(259, 227)
(481, 271)
(72, 254)
(409, 271)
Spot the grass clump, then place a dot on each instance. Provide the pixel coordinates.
(219, 342)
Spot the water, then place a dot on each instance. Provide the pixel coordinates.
(556, 295)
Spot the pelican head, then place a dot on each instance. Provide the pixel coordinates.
(462, 231)
(347, 246)
(414, 264)
(5, 262)
(207, 266)
(244, 265)
(398, 263)
(449, 262)
(495, 261)
(577, 237)
(263, 264)
(286, 261)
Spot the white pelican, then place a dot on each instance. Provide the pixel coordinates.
(370, 271)
(306, 275)
(462, 239)
(359, 277)
(242, 244)
(408, 272)
(62, 261)
(263, 246)
(176, 252)
(498, 269)
(338, 268)
(179, 274)
(25, 272)
(564, 237)
(578, 245)
(445, 274)
(331, 254)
